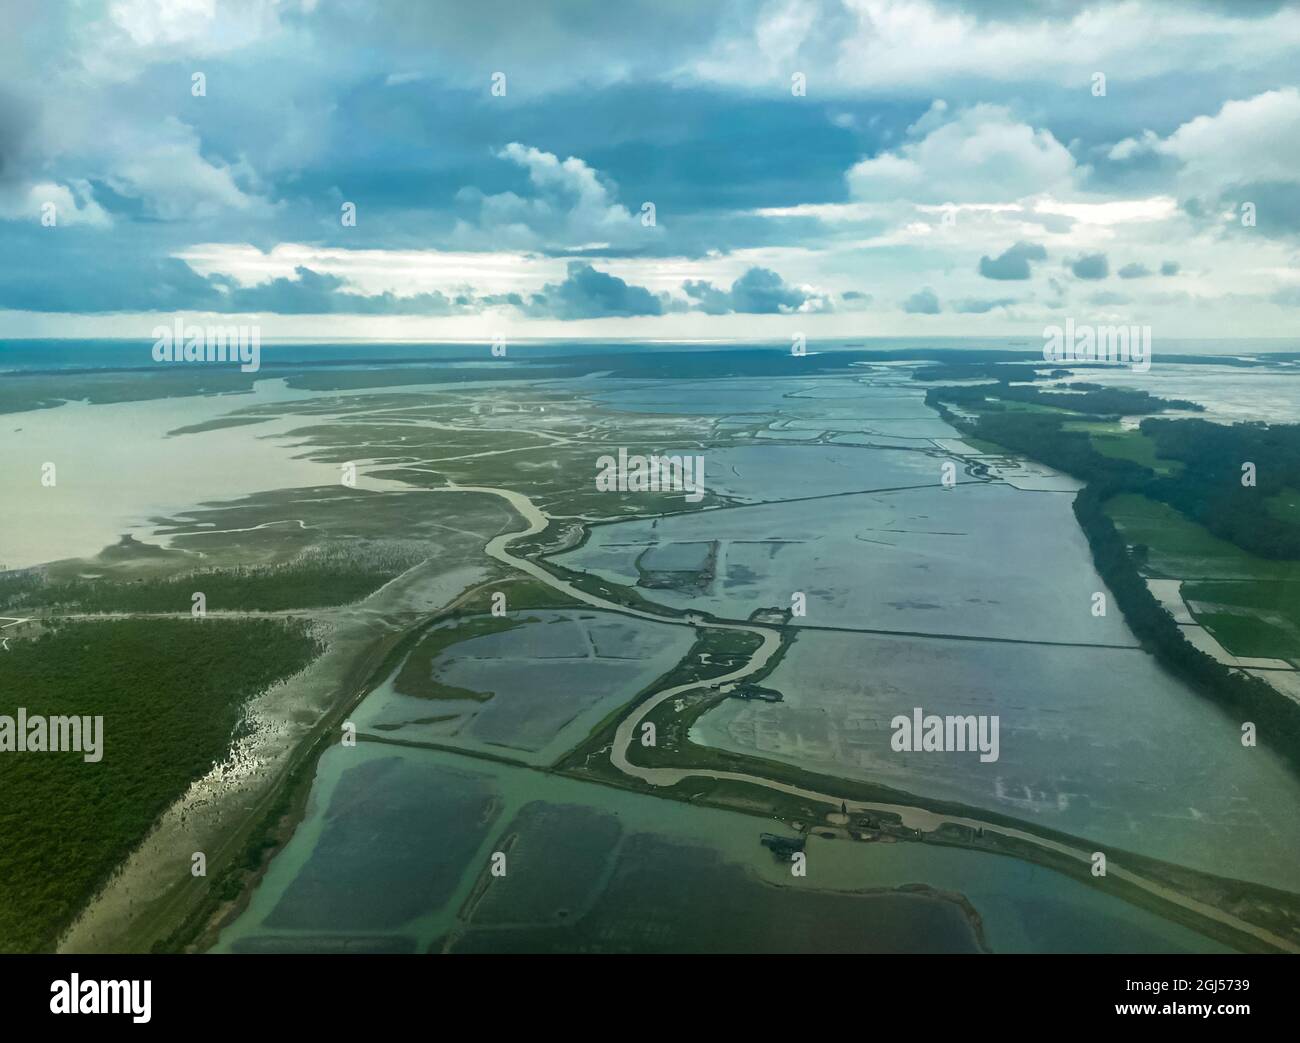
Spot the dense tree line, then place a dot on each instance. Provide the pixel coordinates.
(1248, 698)
(312, 580)
(1208, 489)
(988, 370)
(172, 695)
(1091, 399)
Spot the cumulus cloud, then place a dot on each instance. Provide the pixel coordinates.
(131, 35)
(73, 203)
(590, 294)
(570, 207)
(847, 187)
(165, 170)
(923, 302)
(1090, 266)
(1012, 263)
(319, 293)
(1249, 151)
(760, 291)
(981, 154)
(1257, 139)
(894, 44)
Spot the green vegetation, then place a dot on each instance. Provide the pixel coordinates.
(627, 597)
(1281, 597)
(272, 827)
(1247, 635)
(219, 424)
(989, 370)
(1090, 399)
(1247, 698)
(333, 575)
(1110, 439)
(521, 591)
(1259, 618)
(172, 695)
(1285, 505)
(1209, 490)
(1169, 545)
(21, 391)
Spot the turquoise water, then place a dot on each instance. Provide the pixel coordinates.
(396, 840)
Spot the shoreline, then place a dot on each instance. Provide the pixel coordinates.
(196, 912)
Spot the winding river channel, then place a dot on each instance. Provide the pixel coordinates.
(912, 816)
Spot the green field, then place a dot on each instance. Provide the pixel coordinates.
(1247, 635)
(1267, 622)
(1110, 439)
(1284, 505)
(1182, 549)
(1261, 598)
(171, 693)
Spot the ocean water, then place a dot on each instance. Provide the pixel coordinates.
(19, 355)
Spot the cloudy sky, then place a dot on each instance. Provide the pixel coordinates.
(676, 169)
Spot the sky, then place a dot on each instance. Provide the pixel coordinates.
(675, 169)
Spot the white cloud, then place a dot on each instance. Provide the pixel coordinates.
(134, 34)
(573, 208)
(74, 203)
(1253, 140)
(980, 155)
(407, 272)
(892, 44)
(1112, 212)
(165, 170)
(401, 272)
(149, 22)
